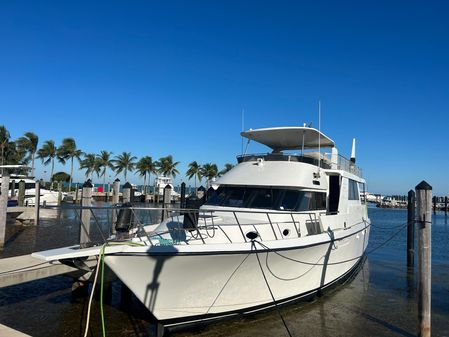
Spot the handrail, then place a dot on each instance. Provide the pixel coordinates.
(342, 163)
(205, 220)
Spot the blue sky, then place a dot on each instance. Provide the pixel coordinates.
(158, 78)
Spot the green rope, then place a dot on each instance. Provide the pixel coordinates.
(103, 325)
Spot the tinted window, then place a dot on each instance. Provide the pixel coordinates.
(289, 200)
(268, 198)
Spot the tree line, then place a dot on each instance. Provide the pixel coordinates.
(25, 150)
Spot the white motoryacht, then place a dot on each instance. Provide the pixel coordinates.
(47, 197)
(160, 182)
(280, 226)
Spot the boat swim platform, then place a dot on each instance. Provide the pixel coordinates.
(26, 268)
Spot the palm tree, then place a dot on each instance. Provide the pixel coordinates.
(47, 153)
(13, 155)
(28, 144)
(68, 150)
(124, 162)
(146, 166)
(210, 171)
(90, 164)
(167, 167)
(194, 171)
(226, 169)
(4, 140)
(104, 162)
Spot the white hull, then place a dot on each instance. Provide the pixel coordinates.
(178, 285)
(49, 198)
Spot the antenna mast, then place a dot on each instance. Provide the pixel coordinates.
(243, 126)
(319, 136)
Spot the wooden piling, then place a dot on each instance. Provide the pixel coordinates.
(76, 193)
(21, 195)
(166, 198)
(86, 201)
(3, 207)
(424, 217)
(13, 188)
(434, 200)
(108, 192)
(59, 193)
(116, 191)
(410, 228)
(183, 195)
(445, 204)
(115, 200)
(126, 193)
(37, 202)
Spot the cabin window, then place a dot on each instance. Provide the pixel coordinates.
(362, 192)
(353, 191)
(268, 198)
(260, 198)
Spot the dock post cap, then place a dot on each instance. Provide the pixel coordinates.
(117, 180)
(423, 185)
(411, 191)
(88, 183)
(168, 186)
(127, 185)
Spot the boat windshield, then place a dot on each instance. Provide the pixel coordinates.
(278, 198)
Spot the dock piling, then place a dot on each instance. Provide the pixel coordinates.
(13, 188)
(107, 193)
(116, 191)
(21, 194)
(37, 202)
(410, 228)
(115, 200)
(59, 193)
(86, 201)
(166, 200)
(127, 192)
(424, 217)
(3, 207)
(76, 193)
(183, 195)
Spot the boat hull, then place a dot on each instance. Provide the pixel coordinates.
(181, 286)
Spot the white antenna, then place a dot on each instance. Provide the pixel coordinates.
(319, 136)
(243, 126)
(303, 135)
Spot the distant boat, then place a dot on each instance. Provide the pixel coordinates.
(47, 197)
(280, 226)
(160, 182)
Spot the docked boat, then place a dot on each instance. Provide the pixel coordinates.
(280, 226)
(160, 182)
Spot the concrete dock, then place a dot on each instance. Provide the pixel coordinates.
(8, 332)
(25, 268)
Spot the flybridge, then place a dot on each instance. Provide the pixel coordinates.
(289, 138)
(281, 139)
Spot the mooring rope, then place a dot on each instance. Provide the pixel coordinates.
(269, 289)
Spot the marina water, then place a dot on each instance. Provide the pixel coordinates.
(379, 301)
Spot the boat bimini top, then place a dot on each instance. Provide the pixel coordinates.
(289, 138)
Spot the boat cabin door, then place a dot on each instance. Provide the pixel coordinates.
(334, 194)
